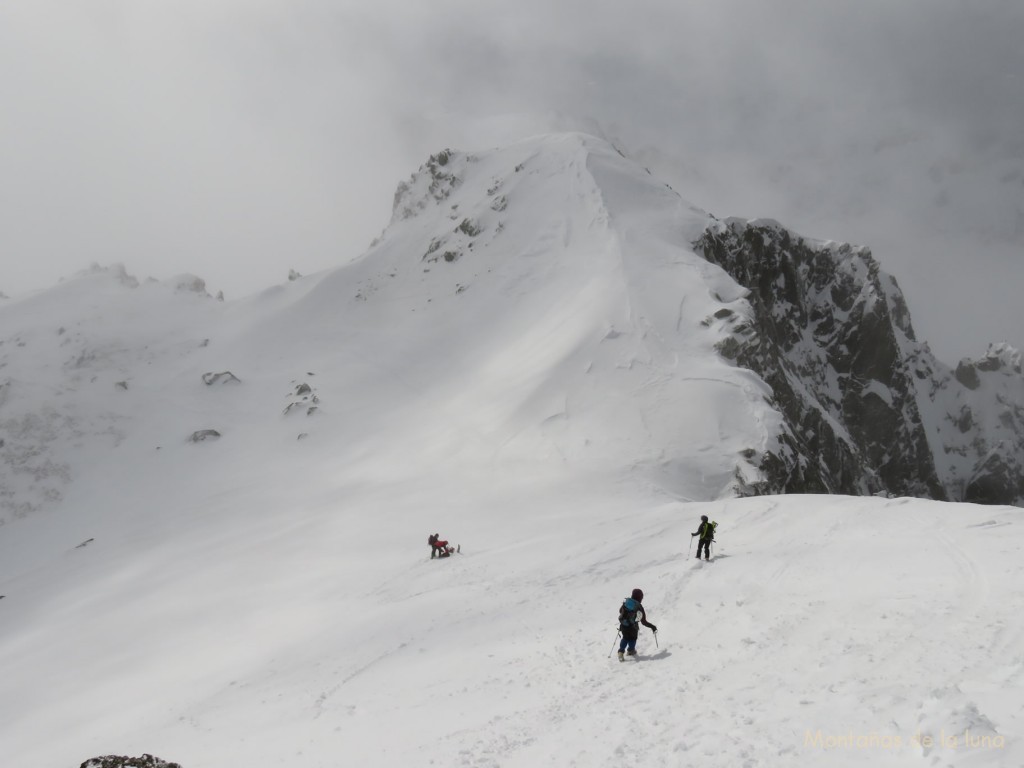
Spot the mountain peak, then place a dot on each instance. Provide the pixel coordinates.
(559, 276)
(552, 303)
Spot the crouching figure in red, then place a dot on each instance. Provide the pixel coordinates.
(440, 547)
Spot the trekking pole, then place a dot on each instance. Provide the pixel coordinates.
(617, 634)
(655, 639)
(691, 547)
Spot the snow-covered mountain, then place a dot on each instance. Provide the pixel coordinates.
(539, 304)
(582, 307)
(575, 300)
(215, 513)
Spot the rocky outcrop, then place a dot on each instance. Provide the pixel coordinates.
(118, 761)
(431, 185)
(304, 398)
(831, 334)
(224, 377)
(982, 429)
(203, 434)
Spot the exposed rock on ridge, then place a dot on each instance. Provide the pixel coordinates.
(868, 409)
(120, 761)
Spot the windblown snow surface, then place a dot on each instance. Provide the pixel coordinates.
(545, 395)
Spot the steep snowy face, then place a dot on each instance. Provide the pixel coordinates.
(543, 302)
(868, 408)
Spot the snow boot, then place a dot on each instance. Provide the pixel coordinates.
(621, 657)
(631, 652)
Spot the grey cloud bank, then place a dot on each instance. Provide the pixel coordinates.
(240, 140)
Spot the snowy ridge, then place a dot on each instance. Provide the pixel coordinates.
(595, 341)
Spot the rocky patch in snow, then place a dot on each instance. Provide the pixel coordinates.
(224, 377)
(203, 434)
(302, 399)
(119, 761)
(32, 471)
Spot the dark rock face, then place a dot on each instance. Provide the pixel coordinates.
(203, 434)
(831, 334)
(117, 761)
(224, 377)
(439, 177)
(967, 375)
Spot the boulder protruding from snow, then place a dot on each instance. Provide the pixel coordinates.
(203, 434)
(967, 374)
(224, 377)
(119, 761)
(304, 398)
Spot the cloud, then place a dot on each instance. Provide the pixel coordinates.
(238, 139)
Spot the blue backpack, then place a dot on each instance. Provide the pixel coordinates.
(628, 612)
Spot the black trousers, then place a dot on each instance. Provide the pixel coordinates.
(706, 544)
(629, 635)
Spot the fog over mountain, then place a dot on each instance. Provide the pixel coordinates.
(238, 140)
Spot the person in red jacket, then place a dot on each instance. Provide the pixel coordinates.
(439, 547)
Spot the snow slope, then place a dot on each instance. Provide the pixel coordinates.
(320, 634)
(548, 397)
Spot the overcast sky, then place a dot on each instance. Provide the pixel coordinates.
(238, 139)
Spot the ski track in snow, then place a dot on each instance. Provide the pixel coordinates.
(751, 658)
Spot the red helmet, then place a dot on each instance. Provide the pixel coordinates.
(638, 595)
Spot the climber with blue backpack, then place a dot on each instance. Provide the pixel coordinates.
(631, 616)
(706, 531)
